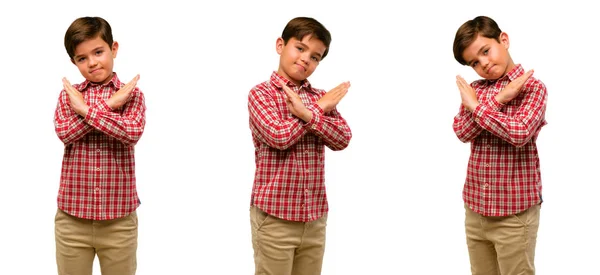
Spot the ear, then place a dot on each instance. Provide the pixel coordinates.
(279, 45)
(114, 49)
(504, 40)
(73, 61)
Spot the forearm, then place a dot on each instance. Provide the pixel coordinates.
(277, 134)
(513, 130)
(127, 127)
(68, 125)
(518, 128)
(465, 128)
(332, 129)
(71, 129)
(270, 124)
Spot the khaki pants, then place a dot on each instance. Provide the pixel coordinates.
(502, 245)
(286, 247)
(78, 240)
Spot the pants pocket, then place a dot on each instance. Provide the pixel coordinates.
(259, 217)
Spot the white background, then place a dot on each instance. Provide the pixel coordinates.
(395, 192)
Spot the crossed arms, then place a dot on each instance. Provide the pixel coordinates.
(518, 129)
(73, 118)
(320, 118)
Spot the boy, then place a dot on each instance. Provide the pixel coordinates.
(501, 115)
(99, 121)
(291, 122)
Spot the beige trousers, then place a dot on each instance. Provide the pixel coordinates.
(502, 245)
(284, 247)
(79, 240)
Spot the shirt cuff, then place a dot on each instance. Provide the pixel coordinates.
(316, 117)
(91, 114)
(478, 112)
(481, 109)
(93, 110)
(497, 106)
(103, 106)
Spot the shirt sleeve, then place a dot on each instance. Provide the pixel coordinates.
(465, 128)
(331, 128)
(126, 126)
(267, 124)
(69, 126)
(519, 128)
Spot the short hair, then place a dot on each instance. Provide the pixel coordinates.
(86, 28)
(468, 32)
(300, 27)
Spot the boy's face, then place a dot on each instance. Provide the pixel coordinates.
(94, 59)
(299, 59)
(488, 57)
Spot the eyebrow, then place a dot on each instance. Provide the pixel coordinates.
(306, 46)
(95, 49)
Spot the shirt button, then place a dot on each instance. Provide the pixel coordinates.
(306, 152)
(98, 150)
(307, 171)
(485, 186)
(487, 165)
(98, 169)
(306, 190)
(97, 189)
(488, 146)
(302, 206)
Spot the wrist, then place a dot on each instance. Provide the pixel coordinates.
(306, 115)
(500, 99)
(473, 106)
(110, 103)
(82, 111)
(321, 105)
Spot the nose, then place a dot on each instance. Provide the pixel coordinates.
(485, 63)
(92, 62)
(305, 57)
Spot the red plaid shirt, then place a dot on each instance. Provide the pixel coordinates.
(289, 153)
(97, 179)
(503, 175)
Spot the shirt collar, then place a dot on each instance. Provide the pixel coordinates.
(515, 72)
(276, 78)
(512, 74)
(114, 82)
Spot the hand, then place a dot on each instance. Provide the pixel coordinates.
(123, 95)
(295, 105)
(333, 97)
(467, 94)
(75, 98)
(513, 89)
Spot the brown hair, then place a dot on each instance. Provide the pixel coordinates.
(468, 32)
(86, 28)
(300, 27)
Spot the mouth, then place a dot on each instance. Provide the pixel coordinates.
(301, 67)
(490, 69)
(95, 70)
